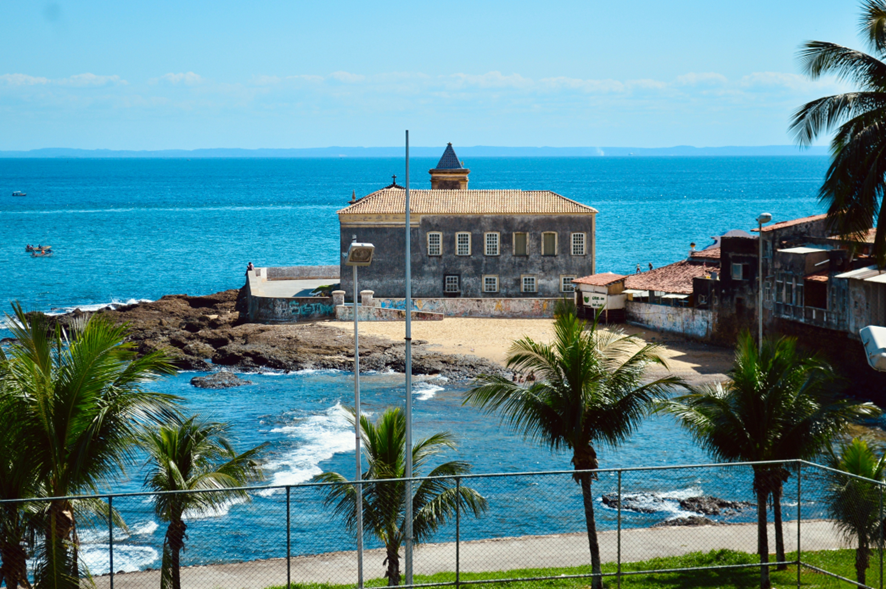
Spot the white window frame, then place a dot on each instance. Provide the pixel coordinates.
(439, 243)
(583, 246)
(491, 277)
(458, 250)
(740, 274)
(497, 238)
(526, 277)
(447, 282)
(564, 287)
(556, 245)
(514, 243)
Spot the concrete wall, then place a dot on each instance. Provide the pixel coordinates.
(386, 274)
(346, 313)
(289, 310)
(686, 321)
(304, 272)
(505, 308)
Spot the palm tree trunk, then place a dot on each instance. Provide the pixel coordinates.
(779, 530)
(170, 577)
(60, 568)
(14, 568)
(393, 562)
(763, 538)
(862, 560)
(593, 544)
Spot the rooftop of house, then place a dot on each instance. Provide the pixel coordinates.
(711, 253)
(866, 237)
(674, 278)
(467, 202)
(449, 161)
(602, 279)
(792, 223)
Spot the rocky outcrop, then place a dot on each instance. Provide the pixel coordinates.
(219, 380)
(707, 505)
(205, 332)
(692, 520)
(654, 503)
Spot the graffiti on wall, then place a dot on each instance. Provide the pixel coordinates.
(304, 309)
(458, 307)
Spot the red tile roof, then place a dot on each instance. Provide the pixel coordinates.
(467, 202)
(818, 277)
(674, 278)
(706, 254)
(604, 279)
(792, 222)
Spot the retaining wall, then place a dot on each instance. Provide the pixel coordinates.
(461, 307)
(303, 272)
(346, 313)
(686, 321)
(289, 310)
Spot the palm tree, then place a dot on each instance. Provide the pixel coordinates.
(434, 500)
(78, 402)
(588, 391)
(854, 503)
(856, 179)
(193, 456)
(775, 407)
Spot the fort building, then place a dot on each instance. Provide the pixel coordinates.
(470, 243)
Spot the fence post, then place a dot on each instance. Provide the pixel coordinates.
(799, 517)
(111, 538)
(881, 536)
(618, 539)
(288, 542)
(457, 531)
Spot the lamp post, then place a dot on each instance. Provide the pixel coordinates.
(408, 370)
(763, 218)
(359, 254)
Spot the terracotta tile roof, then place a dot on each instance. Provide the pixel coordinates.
(791, 223)
(818, 277)
(674, 278)
(604, 279)
(712, 253)
(867, 237)
(467, 202)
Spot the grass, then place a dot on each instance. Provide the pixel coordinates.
(840, 562)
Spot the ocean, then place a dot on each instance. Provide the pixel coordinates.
(129, 229)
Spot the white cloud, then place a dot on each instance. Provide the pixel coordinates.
(187, 78)
(83, 80)
(22, 80)
(702, 79)
(347, 77)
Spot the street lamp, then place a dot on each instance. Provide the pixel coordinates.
(763, 218)
(874, 339)
(359, 254)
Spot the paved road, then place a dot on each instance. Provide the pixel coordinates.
(487, 555)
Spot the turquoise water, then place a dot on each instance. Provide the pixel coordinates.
(138, 229)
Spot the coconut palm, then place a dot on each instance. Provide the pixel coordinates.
(587, 391)
(853, 503)
(777, 406)
(193, 456)
(856, 179)
(434, 500)
(77, 398)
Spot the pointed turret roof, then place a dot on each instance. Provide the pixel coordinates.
(449, 161)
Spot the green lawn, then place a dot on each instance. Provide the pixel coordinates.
(840, 562)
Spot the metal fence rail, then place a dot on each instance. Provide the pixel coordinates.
(529, 527)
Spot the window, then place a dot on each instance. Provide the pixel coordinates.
(578, 244)
(527, 284)
(521, 244)
(450, 283)
(566, 284)
(490, 284)
(549, 244)
(492, 240)
(779, 288)
(462, 244)
(737, 271)
(435, 243)
(788, 290)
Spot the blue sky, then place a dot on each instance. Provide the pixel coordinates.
(163, 75)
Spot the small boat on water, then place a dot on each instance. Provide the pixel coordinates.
(19, 193)
(40, 251)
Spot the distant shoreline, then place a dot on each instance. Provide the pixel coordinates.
(422, 152)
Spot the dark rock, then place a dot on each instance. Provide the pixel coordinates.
(692, 520)
(707, 505)
(219, 380)
(640, 503)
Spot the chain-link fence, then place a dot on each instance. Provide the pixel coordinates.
(688, 522)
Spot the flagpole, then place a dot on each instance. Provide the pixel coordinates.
(408, 449)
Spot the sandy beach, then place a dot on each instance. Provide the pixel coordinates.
(490, 339)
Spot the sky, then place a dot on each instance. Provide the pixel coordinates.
(98, 74)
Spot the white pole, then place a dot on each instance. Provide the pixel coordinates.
(359, 476)
(408, 450)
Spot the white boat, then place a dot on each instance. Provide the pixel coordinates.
(19, 193)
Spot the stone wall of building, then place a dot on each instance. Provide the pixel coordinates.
(386, 274)
(686, 321)
(504, 308)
